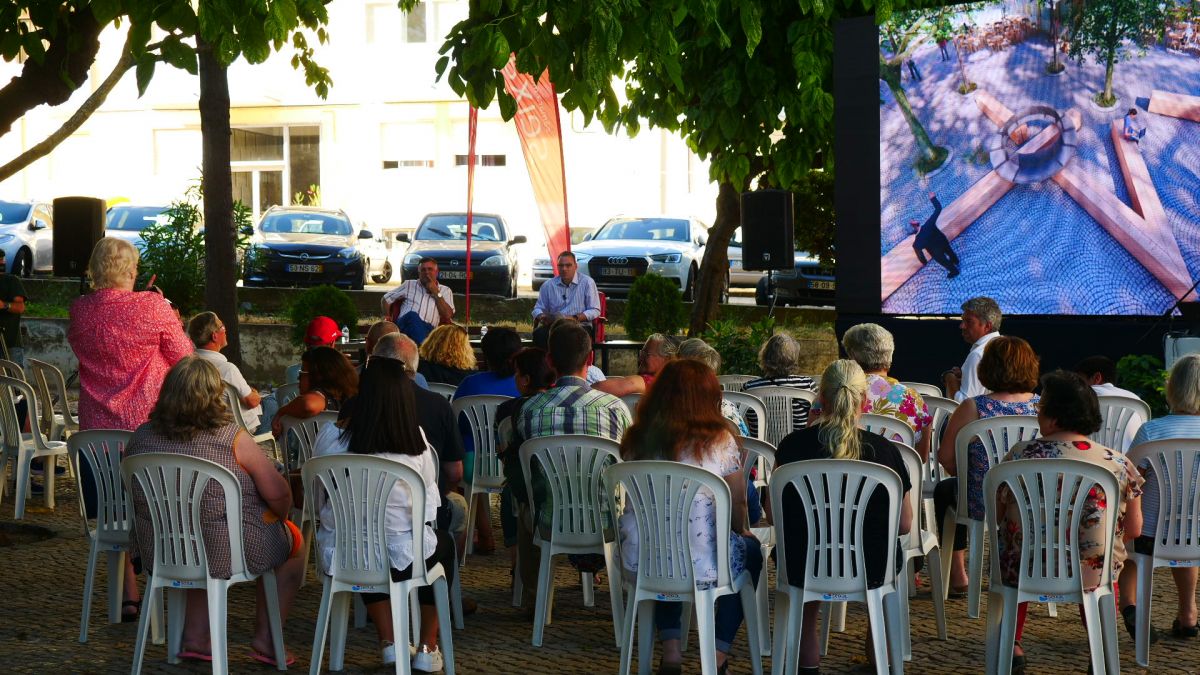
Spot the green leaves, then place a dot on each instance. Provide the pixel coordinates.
(751, 16)
(144, 72)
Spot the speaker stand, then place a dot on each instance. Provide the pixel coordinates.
(772, 291)
(82, 284)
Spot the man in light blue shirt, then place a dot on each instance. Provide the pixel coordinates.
(570, 294)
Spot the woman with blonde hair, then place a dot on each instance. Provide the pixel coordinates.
(191, 418)
(446, 355)
(836, 435)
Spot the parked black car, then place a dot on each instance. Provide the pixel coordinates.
(443, 237)
(308, 246)
(807, 284)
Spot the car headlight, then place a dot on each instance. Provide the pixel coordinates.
(349, 253)
(412, 259)
(669, 258)
(494, 261)
(541, 262)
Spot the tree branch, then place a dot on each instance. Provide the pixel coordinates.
(72, 125)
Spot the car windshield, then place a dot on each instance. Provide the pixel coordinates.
(135, 218)
(306, 223)
(13, 213)
(453, 227)
(657, 229)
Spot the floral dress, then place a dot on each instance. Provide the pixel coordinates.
(886, 396)
(977, 455)
(1091, 535)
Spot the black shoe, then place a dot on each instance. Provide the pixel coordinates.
(1180, 631)
(1129, 614)
(952, 274)
(1018, 664)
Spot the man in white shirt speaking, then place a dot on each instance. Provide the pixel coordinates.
(208, 334)
(980, 325)
(424, 303)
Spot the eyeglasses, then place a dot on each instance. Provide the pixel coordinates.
(303, 372)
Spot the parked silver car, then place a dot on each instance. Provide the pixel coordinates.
(27, 236)
(126, 221)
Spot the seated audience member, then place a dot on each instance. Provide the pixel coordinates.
(327, 380)
(1009, 370)
(321, 332)
(1100, 371)
(1183, 397)
(191, 418)
(382, 421)
(571, 294)
(680, 420)
(374, 334)
(208, 334)
(779, 360)
(424, 303)
(836, 435)
(541, 338)
(446, 355)
(1067, 414)
(871, 346)
(657, 351)
(981, 318)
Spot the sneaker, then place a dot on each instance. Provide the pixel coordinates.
(388, 654)
(428, 661)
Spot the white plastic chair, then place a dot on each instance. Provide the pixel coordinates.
(1053, 493)
(488, 478)
(357, 487)
(940, 409)
(749, 403)
(1175, 465)
(998, 435)
(631, 401)
(835, 567)
(444, 389)
(760, 455)
(891, 428)
(1121, 416)
(23, 448)
(781, 405)
(572, 466)
(920, 542)
(733, 382)
(234, 401)
(661, 496)
(304, 430)
(172, 486)
(12, 369)
(102, 450)
(51, 388)
(292, 374)
(284, 393)
(924, 389)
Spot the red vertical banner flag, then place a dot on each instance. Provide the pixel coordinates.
(540, 130)
(472, 128)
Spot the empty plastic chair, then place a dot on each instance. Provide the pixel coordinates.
(1121, 417)
(51, 388)
(488, 473)
(444, 389)
(23, 448)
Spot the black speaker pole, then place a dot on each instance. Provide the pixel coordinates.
(774, 295)
(82, 283)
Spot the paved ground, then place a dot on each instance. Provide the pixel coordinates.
(41, 585)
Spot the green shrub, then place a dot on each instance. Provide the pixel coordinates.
(738, 346)
(655, 305)
(1144, 375)
(322, 301)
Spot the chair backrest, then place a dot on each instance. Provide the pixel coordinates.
(1052, 494)
(924, 389)
(40, 380)
(998, 435)
(102, 450)
(292, 374)
(733, 382)
(12, 369)
(834, 494)
(172, 486)
(752, 409)
(1175, 464)
(480, 412)
(56, 383)
(631, 401)
(889, 427)
(760, 455)
(661, 495)
(940, 409)
(357, 487)
(284, 393)
(573, 465)
(305, 431)
(781, 404)
(234, 401)
(1117, 413)
(916, 471)
(9, 425)
(444, 389)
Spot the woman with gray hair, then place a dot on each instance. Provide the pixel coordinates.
(779, 359)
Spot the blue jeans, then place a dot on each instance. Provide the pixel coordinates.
(414, 326)
(668, 615)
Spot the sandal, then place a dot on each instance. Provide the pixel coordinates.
(1186, 632)
(131, 617)
(958, 592)
(1129, 614)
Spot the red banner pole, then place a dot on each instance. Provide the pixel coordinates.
(472, 128)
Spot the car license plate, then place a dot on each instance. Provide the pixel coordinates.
(457, 275)
(618, 271)
(822, 285)
(309, 269)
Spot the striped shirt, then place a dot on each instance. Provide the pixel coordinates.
(559, 299)
(415, 298)
(1171, 426)
(573, 407)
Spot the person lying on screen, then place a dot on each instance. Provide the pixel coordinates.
(1133, 129)
(930, 238)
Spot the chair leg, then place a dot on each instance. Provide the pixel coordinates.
(274, 618)
(139, 647)
(518, 587)
(946, 549)
(936, 572)
(589, 593)
(762, 607)
(645, 641)
(217, 595)
(1108, 633)
(541, 614)
(975, 580)
(838, 611)
(1145, 586)
(749, 597)
(614, 589)
(904, 586)
(782, 635)
(826, 619)
(878, 623)
(22, 484)
(400, 627)
(414, 617)
(116, 584)
(445, 634)
(895, 606)
(339, 616)
(1095, 635)
(627, 628)
(706, 634)
(322, 628)
(469, 547)
(1052, 610)
(456, 610)
(89, 576)
(176, 600)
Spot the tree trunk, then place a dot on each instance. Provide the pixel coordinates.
(220, 263)
(891, 75)
(1108, 76)
(715, 264)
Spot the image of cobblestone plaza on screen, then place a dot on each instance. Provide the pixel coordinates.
(1053, 200)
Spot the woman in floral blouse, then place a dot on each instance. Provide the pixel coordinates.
(1067, 413)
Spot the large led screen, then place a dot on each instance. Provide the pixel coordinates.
(1045, 154)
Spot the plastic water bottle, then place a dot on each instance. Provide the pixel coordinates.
(483, 330)
(345, 334)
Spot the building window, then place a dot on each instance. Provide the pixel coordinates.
(387, 24)
(275, 166)
(482, 160)
(408, 163)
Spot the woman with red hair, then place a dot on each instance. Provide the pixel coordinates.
(680, 420)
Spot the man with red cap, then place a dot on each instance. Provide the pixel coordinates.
(322, 332)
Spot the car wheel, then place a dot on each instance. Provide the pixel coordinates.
(689, 290)
(385, 275)
(23, 265)
(361, 283)
(512, 290)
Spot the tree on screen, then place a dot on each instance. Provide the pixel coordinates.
(899, 37)
(1111, 31)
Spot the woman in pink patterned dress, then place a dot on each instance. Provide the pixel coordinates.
(125, 341)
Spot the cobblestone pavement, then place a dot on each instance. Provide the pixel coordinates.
(41, 586)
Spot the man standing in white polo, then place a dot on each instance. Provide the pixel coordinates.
(980, 325)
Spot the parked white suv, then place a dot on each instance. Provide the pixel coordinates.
(27, 236)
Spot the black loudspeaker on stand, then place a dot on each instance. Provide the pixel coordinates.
(768, 234)
(78, 225)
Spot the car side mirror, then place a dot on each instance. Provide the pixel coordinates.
(403, 236)
(37, 225)
(519, 239)
(588, 236)
(366, 234)
(247, 230)
(701, 240)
